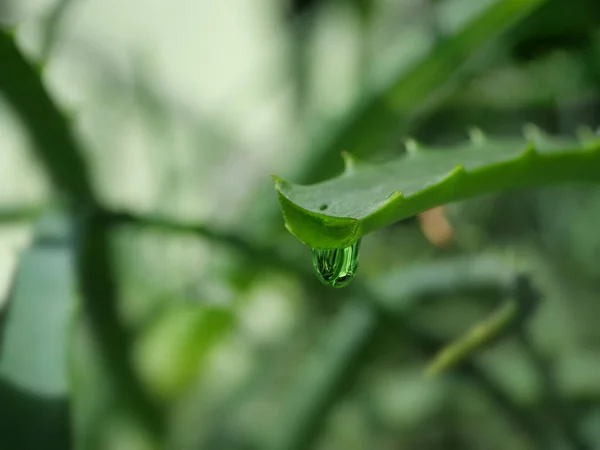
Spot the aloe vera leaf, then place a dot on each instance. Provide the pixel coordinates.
(337, 212)
(383, 113)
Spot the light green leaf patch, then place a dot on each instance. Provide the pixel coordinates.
(337, 212)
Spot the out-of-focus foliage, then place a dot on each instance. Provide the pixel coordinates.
(150, 296)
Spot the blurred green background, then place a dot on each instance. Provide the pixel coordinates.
(182, 109)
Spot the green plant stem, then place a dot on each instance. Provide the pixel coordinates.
(553, 401)
(466, 276)
(518, 417)
(474, 275)
(258, 256)
(528, 297)
(336, 366)
(98, 284)
(18, 214)
(263, 254)
(325, 377)
(510, 316)
(54, 142)
(318, 386)
(59, 152)
(266, 256)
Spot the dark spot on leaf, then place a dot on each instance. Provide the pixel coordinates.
(323, 207)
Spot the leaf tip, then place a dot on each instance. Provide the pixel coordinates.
(312, 227)
(396, 195)
(349, 162)
(412, 146)
(458, 171)
(477, 136)
(530, 151)
(391, 201)
(585, 134)
(588, 137)
(280, 183)
(533, 133)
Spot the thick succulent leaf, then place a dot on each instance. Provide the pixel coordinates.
(337, 212)
(374, 120)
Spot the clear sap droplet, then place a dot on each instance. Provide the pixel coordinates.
(337, 266)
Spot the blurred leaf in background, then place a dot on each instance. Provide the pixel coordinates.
(163, 305)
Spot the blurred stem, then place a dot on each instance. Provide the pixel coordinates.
(518, 417)
(552, 399)
(267, 256)
(335, 366)
(468, 276)
(259, 255)
(20, 214)
(512, 315)
(480, 336)
(325, 377)
(333, 369)
(525, 298)
(100, 308)
(54, 142)
(59, 152)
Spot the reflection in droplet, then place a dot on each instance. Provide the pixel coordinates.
(336, 266)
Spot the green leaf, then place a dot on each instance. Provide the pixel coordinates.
(34, 353)
(172, 353)
(337, 212)
(34, 328)
(379, 116)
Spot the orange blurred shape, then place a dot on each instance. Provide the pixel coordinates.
(436, 227)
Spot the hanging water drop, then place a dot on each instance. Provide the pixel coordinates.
(336, 266)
